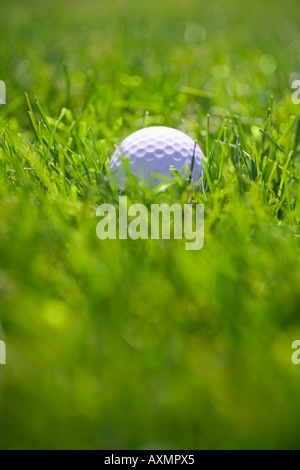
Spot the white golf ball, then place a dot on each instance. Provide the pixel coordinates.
(152, 151)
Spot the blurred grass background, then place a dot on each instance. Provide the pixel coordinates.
(141, 344)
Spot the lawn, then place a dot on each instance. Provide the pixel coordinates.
(141, 344)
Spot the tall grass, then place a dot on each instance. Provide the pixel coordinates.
(142, 344)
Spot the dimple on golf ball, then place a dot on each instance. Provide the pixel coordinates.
(151, 152)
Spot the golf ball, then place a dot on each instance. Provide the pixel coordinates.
(152, 151)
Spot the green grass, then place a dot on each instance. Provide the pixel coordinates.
(123, 344)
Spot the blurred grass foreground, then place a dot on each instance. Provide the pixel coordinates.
(124, 344)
